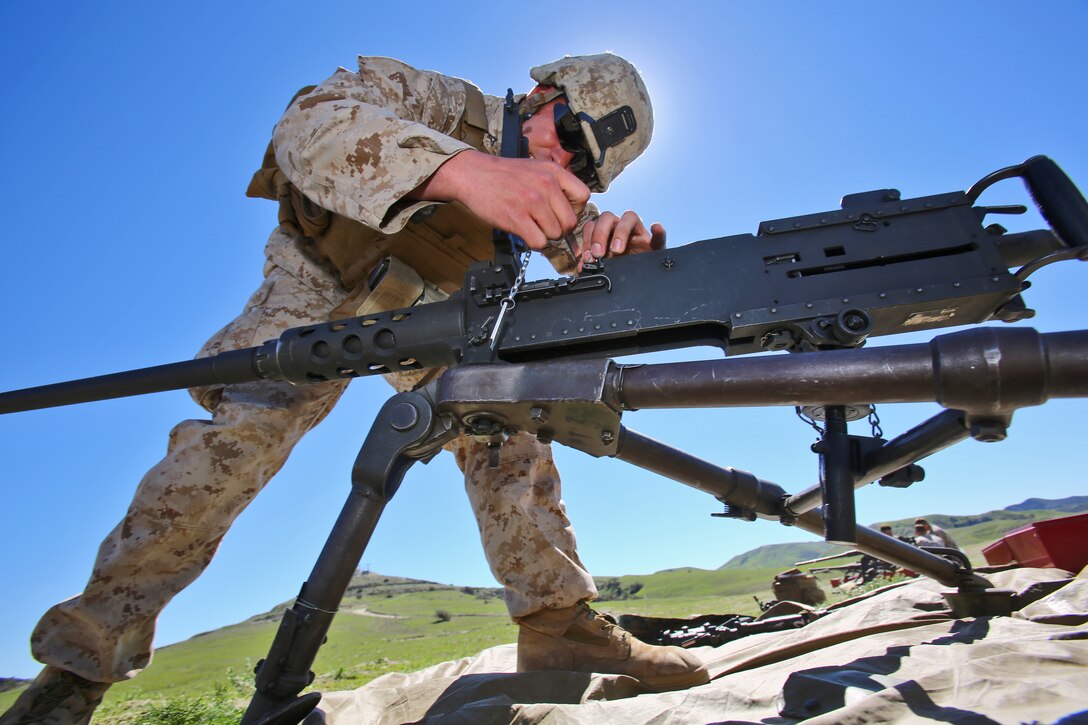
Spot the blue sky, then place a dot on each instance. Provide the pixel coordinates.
(132, 130)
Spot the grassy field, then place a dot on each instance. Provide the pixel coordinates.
(391, 624)
(386, 624)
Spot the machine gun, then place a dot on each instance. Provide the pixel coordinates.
(820, 283)
(881, 265)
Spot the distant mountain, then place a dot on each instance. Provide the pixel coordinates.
(368, 584)
(10, 683)
(781, 556)
(1071, 504)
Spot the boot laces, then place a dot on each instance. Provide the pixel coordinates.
(605, 624)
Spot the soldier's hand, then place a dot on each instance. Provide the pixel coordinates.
(536, 200)
(612, 236)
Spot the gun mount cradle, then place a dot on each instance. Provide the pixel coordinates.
(819, 283)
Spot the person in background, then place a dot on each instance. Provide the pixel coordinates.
(926, 534)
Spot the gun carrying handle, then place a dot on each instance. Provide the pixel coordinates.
(1058, 199)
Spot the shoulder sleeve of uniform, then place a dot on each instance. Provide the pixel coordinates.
(358, 142)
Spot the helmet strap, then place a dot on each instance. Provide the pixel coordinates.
(536, 100)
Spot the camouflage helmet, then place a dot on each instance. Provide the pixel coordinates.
(610, 103)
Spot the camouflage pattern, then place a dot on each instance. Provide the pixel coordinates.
(370, 131)
(596, 85)
(358, 142)
(185, 504)
(56, 697)
(527, 537)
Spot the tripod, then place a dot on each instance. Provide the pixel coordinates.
(981, 376)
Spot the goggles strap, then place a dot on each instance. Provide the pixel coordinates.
(533, 103)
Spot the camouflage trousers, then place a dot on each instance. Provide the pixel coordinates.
(214, 468)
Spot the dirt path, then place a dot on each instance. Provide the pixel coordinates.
(364, 612)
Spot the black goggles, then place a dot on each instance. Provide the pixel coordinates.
(569, 131)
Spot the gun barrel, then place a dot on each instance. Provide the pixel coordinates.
(369, 345)
(235, 366)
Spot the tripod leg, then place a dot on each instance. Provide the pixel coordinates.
(400, 436)
(837, 479)
(748, 493)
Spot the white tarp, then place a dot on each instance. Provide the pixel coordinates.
(893, 656)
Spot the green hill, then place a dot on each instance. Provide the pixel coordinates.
(395, 624)
(1072, 504)
(781, 556)
(10, 683)
(385, 624)
(391, 624)
(972, 533)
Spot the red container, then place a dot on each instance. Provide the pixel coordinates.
(1059, 543)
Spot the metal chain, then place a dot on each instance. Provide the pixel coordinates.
(874, 422)
(810, 421)
(508, 303)
(520, 279)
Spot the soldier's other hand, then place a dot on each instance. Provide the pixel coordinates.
(536, 200)
(613, 236)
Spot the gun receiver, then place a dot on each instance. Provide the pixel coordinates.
(880, 265)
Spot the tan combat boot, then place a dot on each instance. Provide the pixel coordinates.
(56, 697)
(580, 640)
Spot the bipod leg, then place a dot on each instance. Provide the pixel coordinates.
(404, 432)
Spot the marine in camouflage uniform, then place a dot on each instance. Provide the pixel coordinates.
(344, 161)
